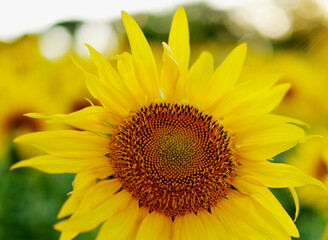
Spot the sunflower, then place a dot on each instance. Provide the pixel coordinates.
(28, 83)
(176, 155)
(312, 158)
(306, 99)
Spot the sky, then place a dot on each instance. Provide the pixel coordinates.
(20, 16)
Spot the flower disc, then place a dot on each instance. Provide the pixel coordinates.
(173, 158)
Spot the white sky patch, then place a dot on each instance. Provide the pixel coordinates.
(266, 17)
(230, 4)
(99, 35)
(273, 23)
(324, 4)
(18, 17)
(55, 42)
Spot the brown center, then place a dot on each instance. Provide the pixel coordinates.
(173, 158)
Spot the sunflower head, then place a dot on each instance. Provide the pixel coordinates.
(180, 154)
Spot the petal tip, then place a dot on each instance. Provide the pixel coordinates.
(13, 167)
(125, 16)
(243, 47)
(181, 10)
(20, 164)
(61, 214)
(124, 13)
(58, 228)
(90, 48)
(18, 139)
(36, 115)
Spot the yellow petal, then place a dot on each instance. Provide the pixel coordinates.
(111, 80)
(83, 181)
(155, 226)
(101, 92)
(67, 143)
(189, 226)
(267, 143)
(67, 235)
(86, 222)
(143, 212)
(242, 126)
(256, 102)
(277, 175)
(325, 233)
(91, 118)
(257, 221)
(120, 225)
(272, 99)
(198, 78)
(37, 115)
(229, 222)
(284, 119)
(226, 75)
(214, 227)
(103, 191)
(91, 174)
(107, 73)
(263, 196)
(251, 124)
(179, 39)
(126, 70)
(245, 95)
(143, 59)
(296, 202)
(53, 164)
(170, 74)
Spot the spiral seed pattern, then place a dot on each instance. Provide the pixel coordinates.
(173, 158)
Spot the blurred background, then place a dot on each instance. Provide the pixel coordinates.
(36, 75)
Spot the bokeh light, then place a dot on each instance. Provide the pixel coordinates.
(99, 35)
(55, 42)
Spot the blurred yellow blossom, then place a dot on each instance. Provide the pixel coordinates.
(312, 158)
(30, 83)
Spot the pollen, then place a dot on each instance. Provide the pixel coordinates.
(173, 158)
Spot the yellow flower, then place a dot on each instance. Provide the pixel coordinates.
(312, 158)
(176, 155)
(21, 90)
(29, 83)
(325, 234)
(307, 98)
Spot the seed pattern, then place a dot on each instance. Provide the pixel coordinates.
(173, 158)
